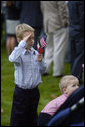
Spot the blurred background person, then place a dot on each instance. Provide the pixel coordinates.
(76, 37)
(55, 21)
(12, 19)
(3, 11)
(68, 51)
(30, 13)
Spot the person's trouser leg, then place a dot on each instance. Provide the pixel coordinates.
(76, 69)
(36, 37)
(24, 107)
(49, 51)
(60, 46)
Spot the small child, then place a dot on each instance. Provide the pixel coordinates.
(29, 65)
(68, 84)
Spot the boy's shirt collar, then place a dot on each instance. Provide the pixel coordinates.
(25, 52)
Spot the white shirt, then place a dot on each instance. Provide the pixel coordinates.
(27, 69)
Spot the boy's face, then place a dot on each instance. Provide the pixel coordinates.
(30, 40)
(71, 88)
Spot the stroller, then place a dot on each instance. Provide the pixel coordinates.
(71, 113)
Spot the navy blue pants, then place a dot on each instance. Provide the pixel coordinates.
(77, 58)
(24, 107)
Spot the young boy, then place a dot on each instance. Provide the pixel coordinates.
(28, 68)
(68, 84)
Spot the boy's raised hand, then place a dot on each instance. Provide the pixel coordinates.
(26, 38)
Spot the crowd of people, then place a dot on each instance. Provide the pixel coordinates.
(25, 22)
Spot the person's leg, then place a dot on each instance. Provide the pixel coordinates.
(60, 46)
(24, 107)
(68, 53)
(13, 42)
(8, 45)
(36, 37)
(49, 51)
(18, 107)
(78, 61)
(73, 51)
(32, 115)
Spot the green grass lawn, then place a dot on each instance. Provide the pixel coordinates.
(49, 88)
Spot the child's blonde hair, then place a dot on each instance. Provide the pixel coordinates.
(22, 28)
(67, 80)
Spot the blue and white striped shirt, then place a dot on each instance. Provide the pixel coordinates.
(27, 69)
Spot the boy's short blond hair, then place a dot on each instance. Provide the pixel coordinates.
(22, 28)
(67, 80)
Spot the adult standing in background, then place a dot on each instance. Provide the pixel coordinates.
(55, 21)
(68, 52)
(30, 13)
(12, 19)
(76, 37)
(3, 11)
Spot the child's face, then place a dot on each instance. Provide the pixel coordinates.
(71, 88)
(30, 40)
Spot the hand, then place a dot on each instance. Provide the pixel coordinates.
(27, 38)
(40, 57)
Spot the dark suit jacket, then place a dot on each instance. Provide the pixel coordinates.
(76, 19)
(30, 13)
